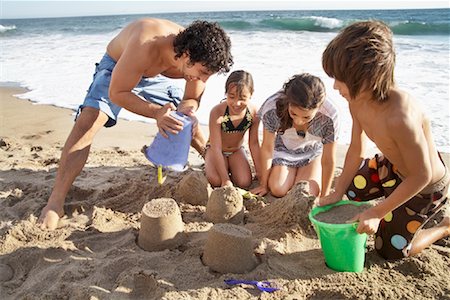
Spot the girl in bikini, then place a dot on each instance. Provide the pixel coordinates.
(225, 160)
(299, 138)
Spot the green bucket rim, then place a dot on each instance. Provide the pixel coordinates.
(319, 209)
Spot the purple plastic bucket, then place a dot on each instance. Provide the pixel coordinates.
(172, 152)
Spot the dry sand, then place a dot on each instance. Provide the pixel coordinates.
(93, 254)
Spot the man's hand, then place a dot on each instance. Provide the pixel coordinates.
(167, 123)
(190, 112)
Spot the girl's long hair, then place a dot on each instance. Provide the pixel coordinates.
(303, 90)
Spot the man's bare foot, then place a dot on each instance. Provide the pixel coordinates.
(446, 222)
(49, 217)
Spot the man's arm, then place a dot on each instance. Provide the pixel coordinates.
(192, 95)
(189, 105)
(126, 75)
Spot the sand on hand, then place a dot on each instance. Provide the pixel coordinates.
(225, 205)
(229, 249)
(161, 225)
(340, 214)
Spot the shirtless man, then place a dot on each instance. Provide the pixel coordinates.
(409, 172)
(135, 74)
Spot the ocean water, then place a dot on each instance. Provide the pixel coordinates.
(54, 57)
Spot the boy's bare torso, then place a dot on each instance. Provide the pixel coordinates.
(153, 36)
(378, 121)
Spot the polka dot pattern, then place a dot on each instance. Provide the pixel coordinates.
(360, 182)
(388, 217)
(373, 164)
(398, 242)
(378, 177)
(412, 226)
(383, 172)
(378, 243)
(374, 190)
(410, 212)
(375, 178)
(389, 183)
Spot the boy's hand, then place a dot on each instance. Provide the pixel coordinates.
(167, 123)
(368, 221)
(327, 200)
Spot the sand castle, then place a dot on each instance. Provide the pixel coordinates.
(225, 205)
(229, 249)
(193, 189)
(161, 225)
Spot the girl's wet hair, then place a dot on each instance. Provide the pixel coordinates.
(362, 56)
(303, 90)
(240, 79)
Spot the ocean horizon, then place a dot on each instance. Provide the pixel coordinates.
(53, 58)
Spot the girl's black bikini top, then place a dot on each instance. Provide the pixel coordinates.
(227, 124)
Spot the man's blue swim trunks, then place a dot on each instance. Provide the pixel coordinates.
(159, 90)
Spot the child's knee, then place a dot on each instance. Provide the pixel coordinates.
(242, 181)
(278, 191)
(314, 188)
(214, 181)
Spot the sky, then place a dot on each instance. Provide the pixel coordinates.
(43, 9)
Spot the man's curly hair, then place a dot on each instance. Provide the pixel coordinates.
(206, 43)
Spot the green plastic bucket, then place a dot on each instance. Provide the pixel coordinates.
(344, 249)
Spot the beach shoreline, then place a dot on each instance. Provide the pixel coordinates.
(19, 116)
(93, 253)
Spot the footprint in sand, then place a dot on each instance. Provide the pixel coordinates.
(6, 273)
(37, 135)
(36, 148)
(4, 144)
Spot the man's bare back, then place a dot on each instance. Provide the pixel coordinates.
(155, 36)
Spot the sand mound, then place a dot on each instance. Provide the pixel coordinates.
(289, 212)
(161, 225)
(229, 249)
(225, 205)
(193, 189)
